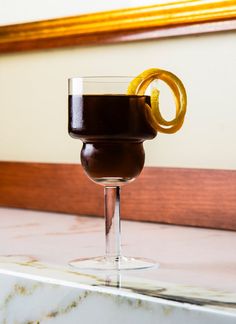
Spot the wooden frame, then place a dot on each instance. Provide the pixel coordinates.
(170, 19)
(194, 197)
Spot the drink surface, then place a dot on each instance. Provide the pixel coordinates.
(112, 128)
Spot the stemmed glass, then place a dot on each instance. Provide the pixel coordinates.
(112, 126)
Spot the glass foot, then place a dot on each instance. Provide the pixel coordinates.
(113, 263)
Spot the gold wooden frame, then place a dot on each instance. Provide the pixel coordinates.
(163, 20)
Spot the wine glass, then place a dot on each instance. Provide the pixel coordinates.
(112, 126)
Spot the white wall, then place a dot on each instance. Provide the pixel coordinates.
(33, 98)
(15, 11)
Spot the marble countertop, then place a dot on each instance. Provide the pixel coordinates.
(195, 283)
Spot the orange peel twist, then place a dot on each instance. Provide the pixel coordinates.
(139, 85)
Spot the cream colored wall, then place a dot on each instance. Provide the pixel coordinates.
(15, 11)
(33, 98)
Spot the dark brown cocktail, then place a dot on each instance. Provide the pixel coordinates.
(112, 128)
(113, 116)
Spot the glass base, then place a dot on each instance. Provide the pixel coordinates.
(112, 263)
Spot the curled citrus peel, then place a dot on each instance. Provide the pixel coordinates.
(139, 85)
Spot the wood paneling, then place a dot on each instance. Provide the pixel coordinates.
(149, 22)
(195, 197)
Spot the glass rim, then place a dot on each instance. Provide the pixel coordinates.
(102, 83)
(103, 77)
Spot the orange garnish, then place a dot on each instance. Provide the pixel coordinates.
(139, 85)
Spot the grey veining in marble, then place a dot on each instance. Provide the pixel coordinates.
(196, 281)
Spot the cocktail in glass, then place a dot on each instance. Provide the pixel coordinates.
(112, 124)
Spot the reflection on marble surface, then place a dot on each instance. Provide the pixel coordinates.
(196, 282)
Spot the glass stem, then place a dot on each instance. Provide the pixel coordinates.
(112, 222)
